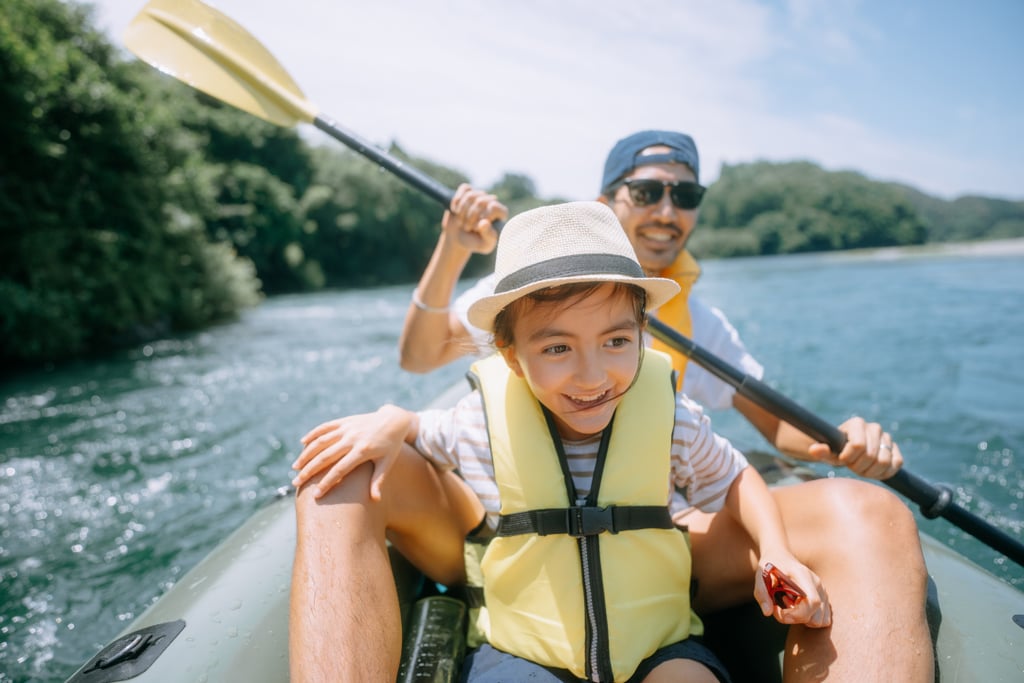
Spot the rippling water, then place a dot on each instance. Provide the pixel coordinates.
(117, 476)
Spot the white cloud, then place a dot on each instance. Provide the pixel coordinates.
(545, 89)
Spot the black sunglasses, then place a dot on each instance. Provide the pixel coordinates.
(647, 191)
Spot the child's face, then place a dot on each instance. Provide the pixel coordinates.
(578, 357)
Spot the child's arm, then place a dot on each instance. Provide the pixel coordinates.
(752, 505)
(341, 445)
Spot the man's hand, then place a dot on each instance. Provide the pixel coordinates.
(470, 219)
(869, 451)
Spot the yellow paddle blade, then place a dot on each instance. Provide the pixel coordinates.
(199, 46)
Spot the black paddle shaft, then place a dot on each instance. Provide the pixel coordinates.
(437, 191)
(410, 174)
(934, 501)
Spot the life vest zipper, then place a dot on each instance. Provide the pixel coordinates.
(599, 666)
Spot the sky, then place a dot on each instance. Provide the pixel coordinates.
(925, 92)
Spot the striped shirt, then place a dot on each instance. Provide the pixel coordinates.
(703, 468)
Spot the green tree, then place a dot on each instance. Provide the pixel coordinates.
(799, 207)
(966, 218)
(365, 227)
(99, 241)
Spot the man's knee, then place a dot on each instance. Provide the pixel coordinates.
(863, 524)
(863, 508)
(348, 503)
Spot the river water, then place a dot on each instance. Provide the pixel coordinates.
(119, 475)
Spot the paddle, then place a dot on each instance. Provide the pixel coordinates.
(206, 49)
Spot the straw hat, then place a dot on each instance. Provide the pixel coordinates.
(562, 244)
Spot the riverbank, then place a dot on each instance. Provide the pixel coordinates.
(1003, 247)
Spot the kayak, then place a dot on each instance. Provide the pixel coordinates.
(227, 618)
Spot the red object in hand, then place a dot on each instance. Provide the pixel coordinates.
(783, 592)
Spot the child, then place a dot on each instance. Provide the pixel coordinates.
(574, 442)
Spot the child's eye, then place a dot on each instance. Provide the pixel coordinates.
(618, 342)
(556, 349)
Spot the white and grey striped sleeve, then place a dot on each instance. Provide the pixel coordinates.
(704, 464)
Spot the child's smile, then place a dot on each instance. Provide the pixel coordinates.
(586, 401)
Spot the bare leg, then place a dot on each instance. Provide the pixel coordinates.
(862, 541)
(344, 623)
(681, 670)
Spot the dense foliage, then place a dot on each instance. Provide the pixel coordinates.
(765, 208)
(132, 206)
(101, 237)
(967, 218)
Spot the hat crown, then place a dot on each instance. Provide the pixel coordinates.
(560, 232)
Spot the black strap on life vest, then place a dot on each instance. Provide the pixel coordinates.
(585, 520)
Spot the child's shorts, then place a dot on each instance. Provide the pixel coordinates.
(488, 665)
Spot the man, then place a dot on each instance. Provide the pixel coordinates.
(852, 534)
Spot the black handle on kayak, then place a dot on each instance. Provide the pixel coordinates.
(934, 501)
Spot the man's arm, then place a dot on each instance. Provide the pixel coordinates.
(433, 335)
(782, 435)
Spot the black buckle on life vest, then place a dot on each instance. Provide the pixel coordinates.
(590, 521)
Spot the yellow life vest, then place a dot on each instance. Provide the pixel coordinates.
(534, 582)
(676, 311)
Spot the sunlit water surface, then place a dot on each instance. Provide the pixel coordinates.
(117, 476)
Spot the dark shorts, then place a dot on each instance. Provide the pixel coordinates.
(487, 665)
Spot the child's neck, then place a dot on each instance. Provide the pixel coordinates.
(581, 440)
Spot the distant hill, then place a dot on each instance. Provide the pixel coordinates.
(966, 218)
(797, 206)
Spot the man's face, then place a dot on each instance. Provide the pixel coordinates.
(658, 232)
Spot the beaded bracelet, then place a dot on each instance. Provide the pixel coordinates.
(418, 303)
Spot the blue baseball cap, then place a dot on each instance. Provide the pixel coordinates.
(625, 155)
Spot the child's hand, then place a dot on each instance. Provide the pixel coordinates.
(341, 445)
(795, 596)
